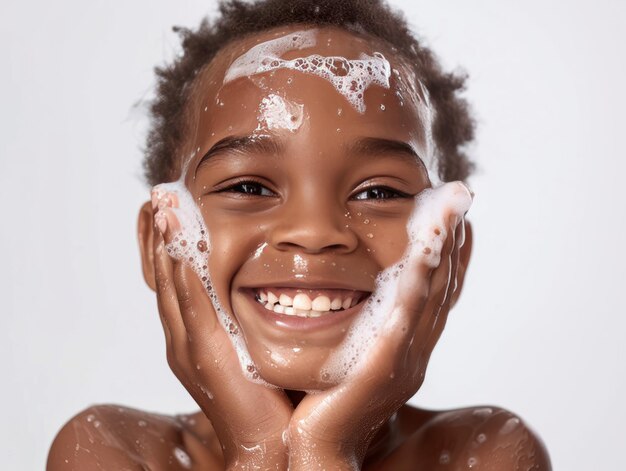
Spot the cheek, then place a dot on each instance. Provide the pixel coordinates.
(233, 241)
(383, 237)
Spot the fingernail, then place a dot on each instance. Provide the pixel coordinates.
(155, 194)
(161, 221)
(164, 201)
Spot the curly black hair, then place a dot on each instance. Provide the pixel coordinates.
(453, 126)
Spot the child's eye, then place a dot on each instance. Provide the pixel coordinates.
(248, 188)
(379, 193)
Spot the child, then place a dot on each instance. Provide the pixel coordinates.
(304, 253)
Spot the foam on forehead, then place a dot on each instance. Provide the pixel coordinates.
(276, 112)
(349, 77)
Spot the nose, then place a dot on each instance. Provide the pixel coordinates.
(313, 224)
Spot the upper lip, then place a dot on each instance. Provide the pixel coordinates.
(310, 283)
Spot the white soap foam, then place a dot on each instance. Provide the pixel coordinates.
(427, 233)
(349, 77)
(276, 112)
(264, 53)
(427, 117)
(192, 246)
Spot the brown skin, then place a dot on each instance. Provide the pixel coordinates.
(309, 187)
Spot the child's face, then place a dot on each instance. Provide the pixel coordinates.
(317, 202)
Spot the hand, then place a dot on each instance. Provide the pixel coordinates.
(249, 418)
(333, 429)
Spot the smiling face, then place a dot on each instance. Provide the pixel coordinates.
(305, 189)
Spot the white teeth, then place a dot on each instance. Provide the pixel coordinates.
(285, 300)
(346, 303)
(301, 301)
(302, 306)
(321, 303)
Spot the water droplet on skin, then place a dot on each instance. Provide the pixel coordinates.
(483, 412)
(338, 129)
(182, 457)
(382, 107)
(142, 423)
(370, 235)
(471, 462)
(481, 438)
(444, 458)
(509, 425)
(90, 417)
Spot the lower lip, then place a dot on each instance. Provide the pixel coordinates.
(306, 324)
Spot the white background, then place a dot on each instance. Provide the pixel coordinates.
(540, 328)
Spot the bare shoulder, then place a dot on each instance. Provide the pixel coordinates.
(486, 438)
(116, 437)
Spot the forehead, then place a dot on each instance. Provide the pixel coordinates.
(266, 69)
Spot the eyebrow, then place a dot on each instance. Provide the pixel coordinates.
(375, 146)
(268, 145)
(262, 144)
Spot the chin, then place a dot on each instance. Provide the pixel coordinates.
(297, 373)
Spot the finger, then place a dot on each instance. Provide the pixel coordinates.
(166, 292)
(429, 231)
(197, 310)
(441, 320)
(439, 283)
(425, 277)
(189, 249)
(439, 307)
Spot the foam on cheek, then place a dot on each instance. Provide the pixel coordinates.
(427, 233)
(192, 246)
(349, 77)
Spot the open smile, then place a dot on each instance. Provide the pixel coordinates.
(296, 308)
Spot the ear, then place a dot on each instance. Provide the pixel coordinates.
(464, 258)
(145, 234)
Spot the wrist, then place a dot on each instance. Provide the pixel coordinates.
(313, 454)
(312, 458)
